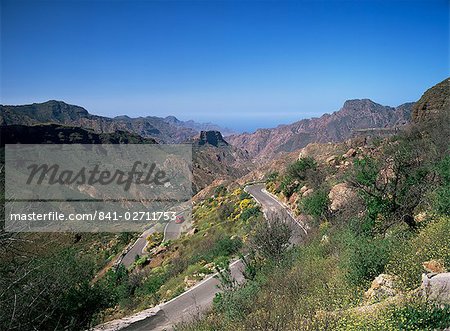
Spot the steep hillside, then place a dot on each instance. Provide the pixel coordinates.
(377, 252)
(338, 126)
(434, 100)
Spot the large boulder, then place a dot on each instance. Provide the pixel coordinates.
(307, 192)
(382, 287)
(303, 189)
(436, 287)
(332, 160)
(341, 195)
(192, 231)
(188, 282)
(350, 153)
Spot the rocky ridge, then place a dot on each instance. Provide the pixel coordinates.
(164, 130)
(435, 100)
(335, 127)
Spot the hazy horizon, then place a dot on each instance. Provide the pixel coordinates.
(287, 119)
(239, 64)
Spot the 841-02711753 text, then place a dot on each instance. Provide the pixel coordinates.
(96, 215)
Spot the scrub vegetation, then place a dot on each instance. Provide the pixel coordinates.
(402, 220)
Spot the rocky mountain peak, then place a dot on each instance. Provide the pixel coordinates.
(361, 105)
(172, 119)
(213, 138)
(355, 114)
(60, 108)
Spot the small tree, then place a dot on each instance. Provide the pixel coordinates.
(394, 184)
(227, 281)
(288, 186)
(271, 239)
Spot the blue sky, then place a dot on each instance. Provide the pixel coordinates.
(241, 64)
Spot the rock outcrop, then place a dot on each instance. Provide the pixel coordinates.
(434, 266)
(382, 287)
(214, 159)
(213, 138)
(436, 287)
(341, 195)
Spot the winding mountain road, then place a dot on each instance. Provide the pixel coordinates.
(137, 248)
(172, 231)
(198, 299)
(272, 207)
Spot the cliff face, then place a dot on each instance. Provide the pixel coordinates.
(214, 159)
(338, 126)
(434, 101)
(213, 138)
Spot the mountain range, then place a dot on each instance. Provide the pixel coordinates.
(214, 157)
(163, 130)
(198, 126)
(338, 126)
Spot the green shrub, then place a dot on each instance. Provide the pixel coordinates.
(364, 257)
(410, 316)
(250, 212)
(154, 240)
(420, 316)
(441, 200)
(441, 196)
(225, 210)
(153, 282)
(288, 186)
(244, 195)
(235, 305)
(226, 246)
(433, 242)
(221, 246)
(220, 191)
(316, 204)
(271, 177)
(270, 240)
(299, 169)
(50, 293)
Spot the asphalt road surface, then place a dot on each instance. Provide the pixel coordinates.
(172, 231)
(137, 249)
(273, 208)
(199, 298)
(186, 306)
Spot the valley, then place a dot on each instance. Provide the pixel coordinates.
(320, 198)
(224, 165)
